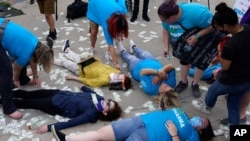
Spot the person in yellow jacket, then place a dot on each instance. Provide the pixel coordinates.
(91, 71)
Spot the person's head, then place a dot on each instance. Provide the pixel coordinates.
(119, 81)
(224, 18)
(168, 11)
(118, 26)
(44, 55)
(169, 99)
(203, 127)
(111, 110)
(164, 88)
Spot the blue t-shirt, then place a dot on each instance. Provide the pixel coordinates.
(156, 130)
(99, 12)
(193, 14)
(19, 42)
(146, 80)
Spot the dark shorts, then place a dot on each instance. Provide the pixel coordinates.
(46, 6)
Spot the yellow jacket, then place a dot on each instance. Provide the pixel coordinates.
(96, 74)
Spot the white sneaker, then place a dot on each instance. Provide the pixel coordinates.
(57, 62)
(65, 46)
(120, 46)
(201, 106)
(92, 51)
(132, 44)
(110, 57)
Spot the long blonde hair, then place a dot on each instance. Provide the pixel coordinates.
(44, 55)
(169, 99)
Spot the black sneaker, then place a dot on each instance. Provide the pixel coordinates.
(32, 2)
(57, 134)
(52, 35)
(145, 17)
(65, 46)
(181, 86)
(225, 121)
(196, 90)
(50, 42)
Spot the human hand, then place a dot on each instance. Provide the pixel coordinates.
(117, 66)
(192, 40)
(17, 83)
(162, 74)
(171, 128)
(156, 79)
(165, 52)
(36, 81)
(42, 129)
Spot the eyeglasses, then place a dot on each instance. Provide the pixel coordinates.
(109, 104)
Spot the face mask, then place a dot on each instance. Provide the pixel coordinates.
(224, 32)
(196, 121)
(99, 105)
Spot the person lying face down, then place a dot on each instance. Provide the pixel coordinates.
(81, 107)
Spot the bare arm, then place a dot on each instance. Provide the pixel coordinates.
(33, 66)
(168, 68)
(16, 74)
(165, 41)
(113, 55)
(225, 63)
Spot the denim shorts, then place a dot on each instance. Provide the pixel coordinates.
(131, 129)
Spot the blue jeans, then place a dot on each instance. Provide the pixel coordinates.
(131, 129)
(235, 93)
(133, 60)
(6, 77)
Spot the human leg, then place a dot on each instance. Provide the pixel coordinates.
(195, 86)
(141, 53)
(38, 99)
(145, 10)
(243, 108)
(235, 95)
(36, 94)
(72, 66)
(135, 10)
(104, 133)
(93, 34)
(6, 77)
(48, 11)
(131, 60)
(182, 85)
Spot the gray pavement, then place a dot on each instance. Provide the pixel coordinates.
(145, 34)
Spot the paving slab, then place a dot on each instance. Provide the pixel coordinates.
(148, 35)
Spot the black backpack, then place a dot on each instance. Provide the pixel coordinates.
(76, 10)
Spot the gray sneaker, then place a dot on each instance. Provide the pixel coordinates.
(131, 47)
(201, 106)
(196, 90)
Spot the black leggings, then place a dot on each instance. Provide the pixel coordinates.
(38, 99)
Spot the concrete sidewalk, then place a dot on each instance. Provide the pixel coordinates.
(145, 34)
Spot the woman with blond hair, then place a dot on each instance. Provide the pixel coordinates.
(22, 47)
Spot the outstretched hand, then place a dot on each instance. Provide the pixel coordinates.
(171, 128)
(42, 129)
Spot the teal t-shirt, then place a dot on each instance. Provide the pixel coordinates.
(19, 42)
(193, 14)
(99, 12)
(156, 130)
(146, 80)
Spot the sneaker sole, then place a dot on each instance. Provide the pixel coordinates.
(194, 103)
(54, 132)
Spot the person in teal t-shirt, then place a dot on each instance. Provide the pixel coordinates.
(111, 16)
(144, 68)
(148, 127)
